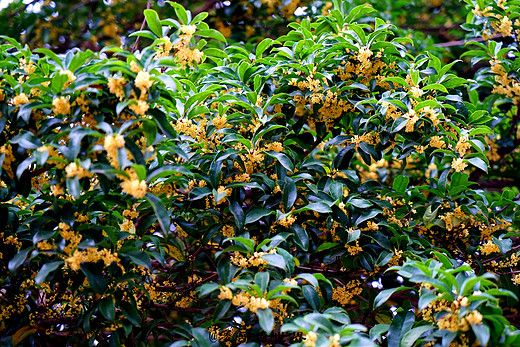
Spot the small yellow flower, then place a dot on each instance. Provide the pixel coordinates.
(458, 164)
(135, 188)
(140, 108)
(74, 170)
(20, 99)
(61, 105)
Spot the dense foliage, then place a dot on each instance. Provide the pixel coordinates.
(337, 184)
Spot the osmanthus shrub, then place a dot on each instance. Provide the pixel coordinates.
(195, 193)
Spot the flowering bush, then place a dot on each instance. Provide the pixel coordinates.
(315, 190)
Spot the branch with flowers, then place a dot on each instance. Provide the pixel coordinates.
(310, 190)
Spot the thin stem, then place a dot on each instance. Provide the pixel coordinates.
(136, 43)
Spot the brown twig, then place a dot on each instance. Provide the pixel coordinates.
(463, 42)
(206, 7)
(134, 47)
(21, 9)
(499, 256)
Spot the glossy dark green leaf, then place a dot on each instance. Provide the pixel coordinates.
(153, 21)
(266, 319)
(160, 212)
(46, 269)
(289, 194)
(107, 308)
(18, 259)
(311, 296)
(95, 277)
(238, 214)
(131, 313)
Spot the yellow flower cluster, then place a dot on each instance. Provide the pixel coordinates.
(308, 84)
(7, 150)
(463, 146)
(220, 122)
(310, 339)
(29, 67)
(140, 107)
(286, 221)
(184, 53)
(489, 247)
(134, 187)
(45, 245)
(20, 99)
(354, 249)
(165, 48)
(516, 279)
(225, 293)
(61, 105)
(416, 92)
(90, 255)
(413, 117)
(436, 142)
(228, 231)
(225, 192)
(143, 82)
(501, 24)
(505, 85)
(74, 170)
(254, 260)
(344, 294)
(451, 321)
(115, 86)
(458, 164)
(72, 237)
(112, 144)
(252, 303)
(70, 77)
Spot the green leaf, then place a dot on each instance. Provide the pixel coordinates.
(481, 164)
(18, 259)
(266, 319)
(384, 295)
(435, 86)
(300, 236)
(275, 260)
(153, 21)
(283, 159)
(309, 278)
(212, 33)
(50, 54)
(319, 207)
(401, 183)
(94, 275)
(46, 269)
(289, 194)
(122, 105)
(413, 335)
(131, 313)
(180, 12)
(238, 213)
(482, 333)
(311, 295)
(319, 320)
(399, 124)
(139, 258)
(262, 280)
(73, 187)
(161, 213)
(256, 214)
(262, 46)
(207, 288)
(107, 308)
(326, 245)
(401, 324)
